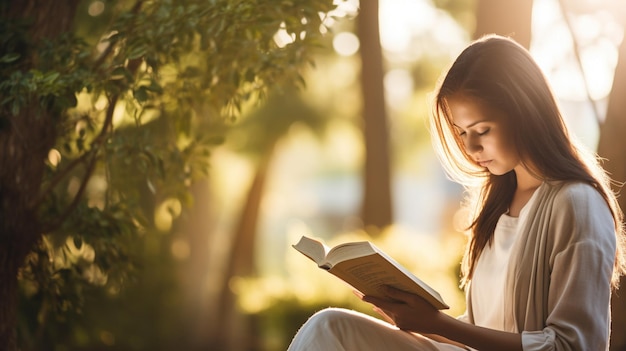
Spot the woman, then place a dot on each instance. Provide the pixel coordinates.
(546, 237)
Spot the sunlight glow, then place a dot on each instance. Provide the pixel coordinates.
(595, 61)
(398, 87)
(96, 189)
(119, 112)
(400, 20)
(345, 8)
(412, 28)
(54, 157)
(165, 214)
(94, 275)
(101, 103)
(343, 146)
(597, 36)
(96, 8)
(107, 338)
(180, 249)
(84, 252)
(72, 186)
(582, 84)
(80, 127)
(282, 38)
(346, 43)
(256, 295)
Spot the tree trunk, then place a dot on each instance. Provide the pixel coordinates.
(377, 206)
(509, 18)
(8, 296)
(611, 147)
(25, 140)
(197, 227)
(21, 173)
(235, 331)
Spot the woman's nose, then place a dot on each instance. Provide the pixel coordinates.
(472, 144)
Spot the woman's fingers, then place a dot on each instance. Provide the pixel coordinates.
(358, 294)
(397, 294)
(384, 314)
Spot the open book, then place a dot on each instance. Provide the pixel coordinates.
(367, 268)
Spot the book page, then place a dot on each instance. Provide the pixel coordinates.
(367, 274)
(349, 251)
(313, 249)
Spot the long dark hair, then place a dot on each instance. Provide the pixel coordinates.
(501, 74)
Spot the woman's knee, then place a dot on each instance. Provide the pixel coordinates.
(330, 318)
(340, 321)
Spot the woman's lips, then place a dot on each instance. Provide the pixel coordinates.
(484, 163)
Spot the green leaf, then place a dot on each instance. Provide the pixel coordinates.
(10, 57)
(67, 101)
(184, 123)
(51, 77)
(15, 108)
(121, 72)
(6, 100)
(154, 87)
(78, 242)
(141, 94)
(137, 52)
(250, 76)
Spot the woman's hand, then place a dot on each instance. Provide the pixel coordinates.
(412, 313)
(406, 311)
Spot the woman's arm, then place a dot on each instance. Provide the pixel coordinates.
(412, 313)
(478, 337)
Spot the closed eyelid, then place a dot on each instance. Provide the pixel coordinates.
(473, 124)
(477, 130)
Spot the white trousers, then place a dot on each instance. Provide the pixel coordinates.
(336, 329)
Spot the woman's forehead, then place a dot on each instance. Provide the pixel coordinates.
(466, 112)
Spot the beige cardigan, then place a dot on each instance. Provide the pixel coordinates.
(559, 275)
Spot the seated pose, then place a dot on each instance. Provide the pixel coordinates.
(546, 238)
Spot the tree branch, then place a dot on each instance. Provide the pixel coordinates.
(93, 153)
(97, 143)
(109, 49)
(576, 48)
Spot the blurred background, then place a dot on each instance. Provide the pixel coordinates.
(345, 154)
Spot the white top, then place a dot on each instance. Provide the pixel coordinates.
(489, 277)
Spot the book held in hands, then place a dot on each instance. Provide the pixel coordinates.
(366, 268)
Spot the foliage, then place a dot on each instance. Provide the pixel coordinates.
(138, 101)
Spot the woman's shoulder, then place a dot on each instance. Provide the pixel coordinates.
(580, 213)
(574, 192)
(578, 202)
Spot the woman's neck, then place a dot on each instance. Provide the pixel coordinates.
(527, 183)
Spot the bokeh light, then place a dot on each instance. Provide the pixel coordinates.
(96, 8)
(346, 43)
(165, 214)
(54, 157)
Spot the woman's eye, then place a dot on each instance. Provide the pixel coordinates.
(483, 132)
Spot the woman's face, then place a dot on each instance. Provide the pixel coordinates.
(486, 138)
